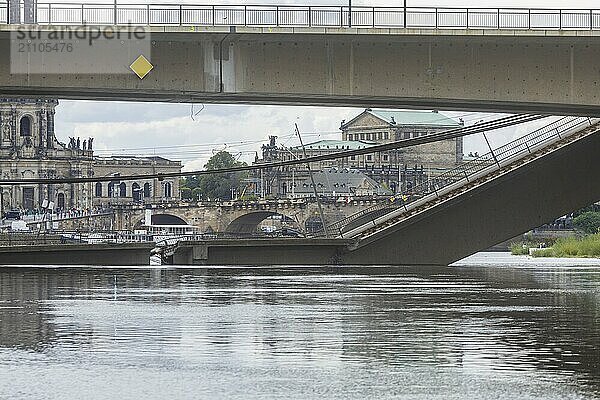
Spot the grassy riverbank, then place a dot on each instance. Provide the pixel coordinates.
(586, 247)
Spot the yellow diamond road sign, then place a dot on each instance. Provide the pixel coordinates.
(141, 66)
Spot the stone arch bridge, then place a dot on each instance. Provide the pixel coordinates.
(236, 217)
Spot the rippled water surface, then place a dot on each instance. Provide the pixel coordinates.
(492, 326)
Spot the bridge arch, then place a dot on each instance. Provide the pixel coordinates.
(248, 223)
(167, 219)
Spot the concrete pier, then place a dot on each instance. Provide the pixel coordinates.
(128, 254)
(262, 252)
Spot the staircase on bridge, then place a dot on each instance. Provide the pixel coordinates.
(459, 181)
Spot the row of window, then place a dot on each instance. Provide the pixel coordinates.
(384, 135)
(120, 190)
(370, 157)
(416, 134)
(369, 136)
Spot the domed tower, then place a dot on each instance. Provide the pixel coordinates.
(27, 127)
(29, 149)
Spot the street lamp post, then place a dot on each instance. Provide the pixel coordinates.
(405, 13)
(349, 13)
(14, 11)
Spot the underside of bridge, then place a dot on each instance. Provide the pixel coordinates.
(167, 219)
(248, 223)
(445, 69)
(511, 204)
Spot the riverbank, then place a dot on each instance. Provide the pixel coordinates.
(586, 247)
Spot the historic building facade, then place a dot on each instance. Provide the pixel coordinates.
(397, 170)
(29, 149)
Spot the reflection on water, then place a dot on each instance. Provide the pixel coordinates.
(510, 329)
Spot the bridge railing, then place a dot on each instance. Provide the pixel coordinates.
(461, 175)
(310, 16)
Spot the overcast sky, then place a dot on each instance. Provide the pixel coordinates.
(170, 131)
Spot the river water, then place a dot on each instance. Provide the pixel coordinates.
(492, 326)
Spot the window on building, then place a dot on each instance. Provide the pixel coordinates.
(61, 201)
(136, 192)
(369, 157)
(98, 189)
(406, 135)
(353, 158)
(111, 189)
(350, 137)
(168, 190)
(146, 189)
(122, 190)
(362, 136)
(379, 136)
(386, 157)
(386, 135)
(25, 126)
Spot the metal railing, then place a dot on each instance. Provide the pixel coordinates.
(465, 173)
(308, 16)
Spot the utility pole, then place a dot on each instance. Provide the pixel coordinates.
(14, 11)
(405, 13)
(312, 180)
(30, 11)
(491, 150)
(349, 13)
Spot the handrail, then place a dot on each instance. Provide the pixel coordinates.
(467, 171)
(290, 15)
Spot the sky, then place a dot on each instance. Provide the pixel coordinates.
(192, 135)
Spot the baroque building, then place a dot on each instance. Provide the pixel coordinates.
(29, 149)
(399, 170)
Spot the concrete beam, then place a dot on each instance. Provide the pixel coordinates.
(510, 205)
(261, 252)
(501, 209)
(513, 71)
(130, 254)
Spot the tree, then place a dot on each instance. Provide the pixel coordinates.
(218, 185)
(589, 222)
(186, 193)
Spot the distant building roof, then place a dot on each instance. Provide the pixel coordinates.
(337, 145)
(340, 181)
(403, 117)
(135, 159)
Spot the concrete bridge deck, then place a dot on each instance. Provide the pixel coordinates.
(128, 254)
(508, 204)
(512, 70)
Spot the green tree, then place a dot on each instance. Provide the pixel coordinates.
(589, 222)
(217, 185)
(196, 193)
(186, 193)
